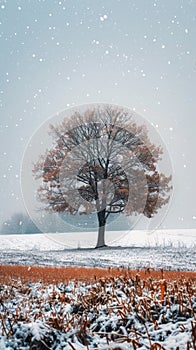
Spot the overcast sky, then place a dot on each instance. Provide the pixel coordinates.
(138, 54)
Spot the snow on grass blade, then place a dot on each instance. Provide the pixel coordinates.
(112, 312)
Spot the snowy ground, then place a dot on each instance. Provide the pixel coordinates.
(114, 313)
(168, 249)
(124, 313)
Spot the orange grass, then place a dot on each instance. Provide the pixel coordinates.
(8, 273)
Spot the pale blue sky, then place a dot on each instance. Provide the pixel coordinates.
(138, 54)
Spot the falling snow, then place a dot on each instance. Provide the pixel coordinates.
(134, 54)
(103, 18)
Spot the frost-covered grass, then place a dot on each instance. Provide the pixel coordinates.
(184, 238)
(167, 249)
(113, 312)
(78, 309)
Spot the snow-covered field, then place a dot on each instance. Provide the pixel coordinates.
(167, 249)
(114, 313)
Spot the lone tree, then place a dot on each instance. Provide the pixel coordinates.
(102, 161)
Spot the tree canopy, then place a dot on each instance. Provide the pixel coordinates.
(102, 161)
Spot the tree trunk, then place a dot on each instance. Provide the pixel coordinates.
(101, 232)
(101, 237)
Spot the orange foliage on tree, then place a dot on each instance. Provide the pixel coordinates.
(102, 161)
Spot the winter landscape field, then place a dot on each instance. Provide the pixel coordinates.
(167, 249)
(128, 307)
(97, 133)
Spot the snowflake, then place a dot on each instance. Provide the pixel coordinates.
(103, 18)
(180, 218)
(95, 42)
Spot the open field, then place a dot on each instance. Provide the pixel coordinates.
(167, 249)
(68, 308)
(140, 296)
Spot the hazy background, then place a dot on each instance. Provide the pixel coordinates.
(139, 54)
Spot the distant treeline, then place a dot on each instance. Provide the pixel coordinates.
(19, 223)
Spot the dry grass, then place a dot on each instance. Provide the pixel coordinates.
(155, 298)
(8, 273)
